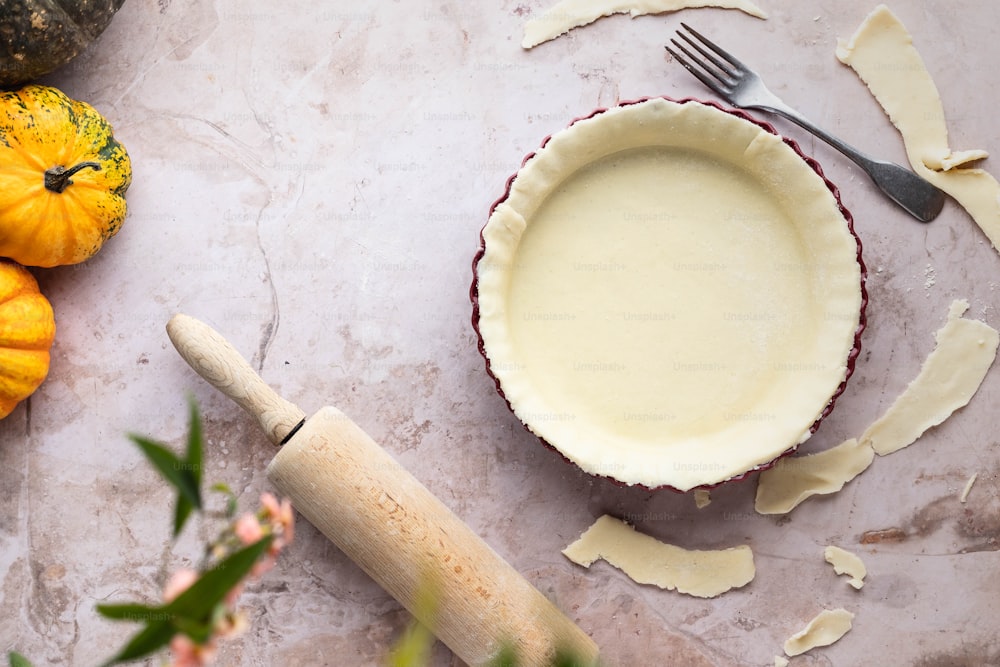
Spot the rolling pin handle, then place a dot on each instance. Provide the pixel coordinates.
(218, 362)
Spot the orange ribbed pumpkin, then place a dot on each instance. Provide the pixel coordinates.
(27, 329)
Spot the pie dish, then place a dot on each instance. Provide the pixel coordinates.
(669, 294)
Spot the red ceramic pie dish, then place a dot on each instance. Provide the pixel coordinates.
(670, 294)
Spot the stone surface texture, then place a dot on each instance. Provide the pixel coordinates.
(311, 179)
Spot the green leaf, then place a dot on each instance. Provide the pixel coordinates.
(413, 649)
(198, 602)
(193, 466)
(195, 443)
(150, 639)
(199, 631)
(224, 489)
(174, 470)
(137, 613)
(182, 510)
(506, 658)
(566, 658)
(17, 660)
(192, 612)
(180, 473)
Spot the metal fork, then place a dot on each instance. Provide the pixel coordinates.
(742, 87)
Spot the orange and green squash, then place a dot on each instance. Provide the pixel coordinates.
(27, 329)
(63, 178)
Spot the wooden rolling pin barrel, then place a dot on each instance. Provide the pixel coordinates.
(387, 522)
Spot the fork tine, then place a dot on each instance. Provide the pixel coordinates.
(706, 76)
(733, 62)
(723, 67)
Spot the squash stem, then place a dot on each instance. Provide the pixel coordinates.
(58, 178)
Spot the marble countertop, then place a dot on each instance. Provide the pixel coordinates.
(310, 179)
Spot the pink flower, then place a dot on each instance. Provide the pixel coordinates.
(248, 529)
(287, 521)
(279, 514)
(188, 654)
(271, 507)
(262, 566)
(275, 518)
(231, 624)
(218, 551)
(179, 582)
(233, 595)
(282, 521)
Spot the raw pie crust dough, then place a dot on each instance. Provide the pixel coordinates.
(646, 560)
(569, 14)
(825, 629)
(844, 562)
(794, 479)
(881, 52)
(668, 295)
(948, 378)
(964, 497)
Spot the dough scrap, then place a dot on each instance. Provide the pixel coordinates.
(568, 14)
(844, 562)
(780, 661)
(825, 629)
(702, 498)
(953, 159)
(646, 560)
(968, 488)
(881, 52)
(794, 479)
(948, 379)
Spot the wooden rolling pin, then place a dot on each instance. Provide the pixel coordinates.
(388, 522)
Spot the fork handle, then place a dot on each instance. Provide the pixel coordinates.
(918, 197)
